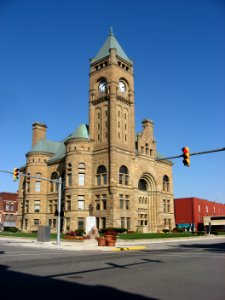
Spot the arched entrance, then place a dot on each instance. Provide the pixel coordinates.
(147, 204)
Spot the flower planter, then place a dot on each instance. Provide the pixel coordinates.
(111, 243)
(101, 242)
(110, 237)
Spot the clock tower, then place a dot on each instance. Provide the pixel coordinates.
(111, 98)
(111, 113)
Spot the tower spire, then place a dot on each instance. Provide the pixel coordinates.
(111, 31)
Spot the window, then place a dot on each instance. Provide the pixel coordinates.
(80, 223)
(123, 222)
(80, 203)
(166, 183)
(142, 185)
(103, 222)
(121, 201)
(168, 205)
(104, 201)
(128, 223)
(97, 202)
(10, 206)
(36, 222)
(38, 183)
(37, 205)
(127, 201)
(68, 203)
(80, 179)
(146, 149)
(164, 205)
(50, 207)
(142, 219)
(81, 174)
(101, 175)
(123, 175)
(67, 223)
(54, 185)
(69, 174)
(27, 206)
(27, 183)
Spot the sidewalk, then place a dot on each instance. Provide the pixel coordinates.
(92, 244)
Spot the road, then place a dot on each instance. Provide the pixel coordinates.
(176, 271)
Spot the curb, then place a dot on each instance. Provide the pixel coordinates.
(129, 248)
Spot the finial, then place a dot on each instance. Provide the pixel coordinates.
(111, 31)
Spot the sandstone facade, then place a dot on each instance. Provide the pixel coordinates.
(107, 170)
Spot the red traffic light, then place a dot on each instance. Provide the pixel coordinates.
(186, 156)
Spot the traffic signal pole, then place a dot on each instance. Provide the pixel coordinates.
(194, 153)
(59, 211)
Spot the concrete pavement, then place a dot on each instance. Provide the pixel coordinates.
(92, 244)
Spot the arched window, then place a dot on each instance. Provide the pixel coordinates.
(38, 183)
(142, 185)
(54, 185)
(101, 175)
(123, 175)
(81, 173)
(166, 183)
(69, 174)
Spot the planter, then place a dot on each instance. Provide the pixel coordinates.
(111, 243)
(101, 242)
(110, 237)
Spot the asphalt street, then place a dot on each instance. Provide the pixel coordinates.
(174, 270)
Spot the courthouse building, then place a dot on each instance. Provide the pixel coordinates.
(108, 170)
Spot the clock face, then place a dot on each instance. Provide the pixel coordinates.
(122, 86)
(102, 86)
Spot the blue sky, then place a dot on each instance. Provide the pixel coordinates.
(178, 48)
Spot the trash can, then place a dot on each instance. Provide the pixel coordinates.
(43, 233)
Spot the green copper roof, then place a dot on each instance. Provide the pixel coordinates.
(45, 146)
(111, 42)
(59, 148)
(60, 152)
(80, 132)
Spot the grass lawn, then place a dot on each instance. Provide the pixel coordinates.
(25, 235)
(136, 236)
(124, 236)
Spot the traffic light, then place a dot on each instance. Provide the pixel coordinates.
(16, 173)
(186, 156)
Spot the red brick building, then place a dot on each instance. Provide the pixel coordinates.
(8, 209)
(189, 212)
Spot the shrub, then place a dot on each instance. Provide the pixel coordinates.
(77, 232)
(165, 230)
(177, 229)
(115, 229)
(11, 229)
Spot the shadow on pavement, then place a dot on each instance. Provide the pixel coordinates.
(21, 286)
(218, 247)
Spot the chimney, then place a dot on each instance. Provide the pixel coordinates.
(39, 132)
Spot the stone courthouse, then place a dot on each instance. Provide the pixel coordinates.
(108, 171)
